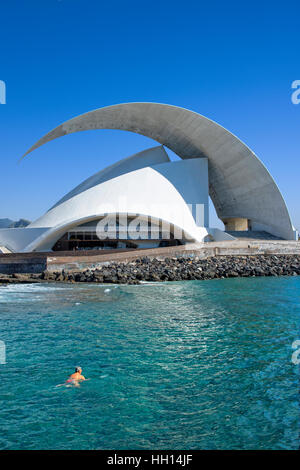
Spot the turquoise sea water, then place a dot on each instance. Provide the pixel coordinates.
(186, 365)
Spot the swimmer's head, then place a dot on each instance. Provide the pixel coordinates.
(78, 369)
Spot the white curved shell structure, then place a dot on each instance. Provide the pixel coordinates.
(157, 190)
(146, 185)
(214, 162)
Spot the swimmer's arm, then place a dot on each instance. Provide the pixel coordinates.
(82, 377)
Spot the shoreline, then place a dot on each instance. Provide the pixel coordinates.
(180, 268)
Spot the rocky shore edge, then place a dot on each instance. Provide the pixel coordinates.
(169, 269)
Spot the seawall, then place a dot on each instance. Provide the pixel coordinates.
(238, 257)
(82, 260)
(170, 269)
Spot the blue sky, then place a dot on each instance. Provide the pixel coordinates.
(230, 61)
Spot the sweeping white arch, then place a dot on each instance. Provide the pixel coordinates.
(239, 184)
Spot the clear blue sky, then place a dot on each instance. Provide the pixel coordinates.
(233, 62)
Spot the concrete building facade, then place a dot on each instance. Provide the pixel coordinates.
(148, 193)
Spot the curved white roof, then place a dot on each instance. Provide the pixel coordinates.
(139, 160)
(146, 187)
(239, 184)
(156, 191)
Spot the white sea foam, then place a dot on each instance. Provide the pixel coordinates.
(148, 283)
(20, 292)
(24, 288)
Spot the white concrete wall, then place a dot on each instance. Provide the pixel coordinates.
(190, 178)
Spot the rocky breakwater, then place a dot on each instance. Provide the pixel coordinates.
(171, 269)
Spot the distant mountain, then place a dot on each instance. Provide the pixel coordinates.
(8, 223)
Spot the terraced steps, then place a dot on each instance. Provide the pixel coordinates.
(252, 235)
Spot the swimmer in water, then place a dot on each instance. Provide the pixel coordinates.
(75, 378)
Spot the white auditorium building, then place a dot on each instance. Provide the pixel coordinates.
(146, 200)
